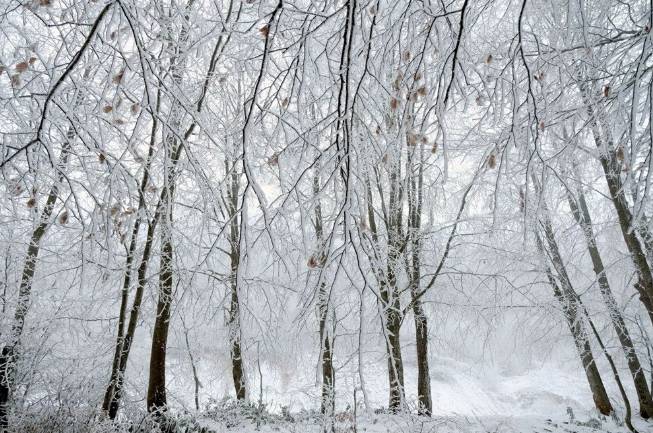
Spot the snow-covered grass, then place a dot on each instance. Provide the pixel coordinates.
(229, 417)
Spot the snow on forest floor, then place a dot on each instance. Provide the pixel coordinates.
(384, 423)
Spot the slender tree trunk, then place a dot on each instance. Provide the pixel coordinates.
(390, 295)
(114, 389)
(612, 170)
(134, 314)
(9, 351)
(581, 214)
(156, 390)
(395, 362)
(567, 297)
(112, 394)
(327, 406)
(421, 322)
(234, 308)
(613, 367)
(390, 303)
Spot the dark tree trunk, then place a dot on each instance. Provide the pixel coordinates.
(416, 184)
(156, 390)
(111, 400)
(233, 323)
(568, 299)
(581, 214)
(612, 171)
(327, 405)
(8, 354)
(389, 296)
(117, 386)
(423, 377)
(395, 362)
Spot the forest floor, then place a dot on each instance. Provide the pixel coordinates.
(384, 423)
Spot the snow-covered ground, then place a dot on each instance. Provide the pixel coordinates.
(383, 423)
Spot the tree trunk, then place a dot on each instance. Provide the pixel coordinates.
(8, 353)
(425, 405)
(395, 362)
(612, 171)
(234, 306)
(111, 400)
(156, 390)
(581, 214)
(327, 405)
(116, 389)
(423, 377)
(567, 297)
(389, 303)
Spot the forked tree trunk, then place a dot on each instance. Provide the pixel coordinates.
(425, 405)
(582, 216)
(390, 304)
(112, 394)
(116, 385)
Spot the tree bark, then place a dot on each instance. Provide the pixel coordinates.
(111, 399)
(8, 354)
(156, 390)
(582, 216)
(327, 405)
(425, 405)
(234, 306)
(389, 302)
(612, 171)
(568, 299)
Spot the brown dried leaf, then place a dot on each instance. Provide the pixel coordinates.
(117, 79)
(21, 67)
(491, 161)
